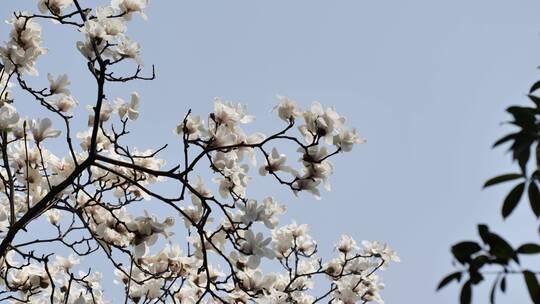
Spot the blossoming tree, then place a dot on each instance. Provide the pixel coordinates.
(88, 194)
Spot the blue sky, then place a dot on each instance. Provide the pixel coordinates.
(426, 82)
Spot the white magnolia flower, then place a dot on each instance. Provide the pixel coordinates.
(317, 167)
(102, 142)
(82, 299)
(59, 85)
(253, 139)
(42, 128)
(104, 114)
(8, 116)
(303, 298)
(306, 244)
(352, 289)
(187, 295)
(271, 212)
(346, 244)
(33, 177)
(65, 264)
(104, 27)
(383, 250)
(251, 211)
(54, 216)
(297, 230)
(360, 265)
(54, 6)
(126, 48)
(86, 48)
(131, 6)
(225, 186)
(223, 137)
(193, 126)
(346, 139)
(286, 237)
(114, 27)
(348, 290)
(229, 114)
(30, 277)
(62, 167)
(275, 162)
(65, 103)
(235, 178)
(147, 229)
(321, 123)
(94, 29)
(18, 129)
(153, 288)
(239, 260)
(130, 110)
(334, 267)
(256, 247)
(287, 109)
(309, 185)
(254, 280)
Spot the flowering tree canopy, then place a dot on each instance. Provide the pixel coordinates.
(217, 241)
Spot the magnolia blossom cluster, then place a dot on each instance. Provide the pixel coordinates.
(108, 28)
(223, 129)
(85, 287)
(216, 243)
(21, 51)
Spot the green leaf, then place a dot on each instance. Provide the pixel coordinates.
(512, 200)
(522, 154)
(501, 249)
(498, 246)
(483, 231)
(475, 277)
(466, 294)
(534, 87)
(532, 285)
(534, 198)
(479, 261)
(502, 178)
(534, 99)
(449, 278)
(523, 116)
(504, 139)
(463, 251)
(529, 248)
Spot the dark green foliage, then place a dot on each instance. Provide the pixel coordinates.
(502, 178)
(512, 199)
(534, 198)
(534, 87)
(498, 247)
(463, 251)
(495, 259)
(455, 276)
(529, 248)
(532, 285)
(466, 293)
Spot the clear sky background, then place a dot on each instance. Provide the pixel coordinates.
(426, 82)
